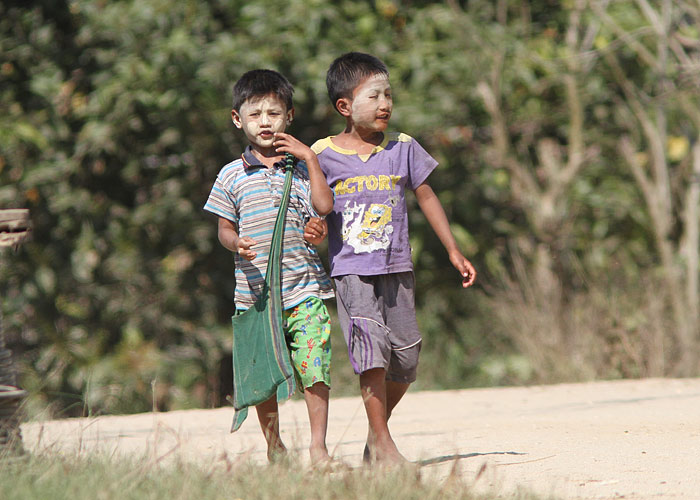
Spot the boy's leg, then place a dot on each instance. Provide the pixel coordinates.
(360, 303)
(394, 392)
(309, 336)
(396, 301)
(316, 398)
(268, 416)
(374, 394)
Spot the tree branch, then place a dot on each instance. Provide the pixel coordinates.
(623, 35)
(502, 142)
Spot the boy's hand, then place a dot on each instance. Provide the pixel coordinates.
(286, 143)
(243, 248)
(321, 194)
(464, 267)
(315, 231)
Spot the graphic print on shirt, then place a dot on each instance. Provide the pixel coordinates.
(367, 229)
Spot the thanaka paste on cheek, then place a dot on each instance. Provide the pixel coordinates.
(370, 101)
(270, 116)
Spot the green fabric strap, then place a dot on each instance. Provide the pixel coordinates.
(262, 365)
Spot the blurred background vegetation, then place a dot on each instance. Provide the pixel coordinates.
(567, 136)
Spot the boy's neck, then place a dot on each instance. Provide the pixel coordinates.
(353, 140)
(267, 157)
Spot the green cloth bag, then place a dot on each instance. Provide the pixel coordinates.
(261, 361)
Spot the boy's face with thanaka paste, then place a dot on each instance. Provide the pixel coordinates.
(371, 104)
(260, 118)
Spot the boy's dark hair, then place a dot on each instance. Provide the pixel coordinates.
(261, 82)
(348, 71)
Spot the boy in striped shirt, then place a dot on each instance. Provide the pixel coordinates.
(246, 197)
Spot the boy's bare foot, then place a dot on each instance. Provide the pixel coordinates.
(319, 456)
(390, 458)
(386, 454)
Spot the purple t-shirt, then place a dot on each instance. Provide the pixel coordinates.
(368, 227)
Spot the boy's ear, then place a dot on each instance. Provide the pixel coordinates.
(236, 119)
(344, 106)
(290, 116)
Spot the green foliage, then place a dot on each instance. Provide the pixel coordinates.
(115, 119)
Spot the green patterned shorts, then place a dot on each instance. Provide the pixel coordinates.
(308, 331)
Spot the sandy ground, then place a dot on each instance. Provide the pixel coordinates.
(637, 439)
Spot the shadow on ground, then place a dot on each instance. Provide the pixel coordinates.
(448, 458)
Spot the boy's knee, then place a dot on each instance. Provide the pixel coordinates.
(403, 367)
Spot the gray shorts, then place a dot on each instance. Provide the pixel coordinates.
(378, 318)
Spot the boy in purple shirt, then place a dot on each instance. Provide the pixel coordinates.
(368, 246)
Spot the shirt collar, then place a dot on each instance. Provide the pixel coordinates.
(251, 161)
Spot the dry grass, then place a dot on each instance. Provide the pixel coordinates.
(103, 477)
(601, 331)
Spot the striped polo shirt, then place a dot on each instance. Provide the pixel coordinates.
(248, 193)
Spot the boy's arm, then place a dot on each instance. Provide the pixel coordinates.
(431, 207)
(321, 194)
(229, 238)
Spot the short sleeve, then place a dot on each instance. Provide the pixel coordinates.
(420, 164)
(221, 202)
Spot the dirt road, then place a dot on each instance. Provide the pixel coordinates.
(635, 439)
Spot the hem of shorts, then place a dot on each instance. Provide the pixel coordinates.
(401, 380)
(385, 368)
(327, 383)
(389, 376)
(335, 273)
